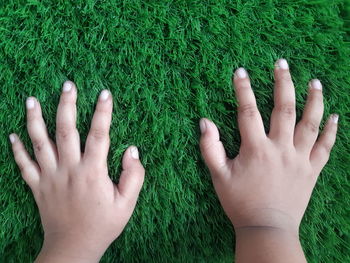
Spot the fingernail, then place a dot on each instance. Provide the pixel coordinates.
(335, 118)
(67, 86)
(30, 103)
(12, 138)
(241, 73)
(104, 95)
(282, 63)
(134, 152)
(202, 125)
(316, 84)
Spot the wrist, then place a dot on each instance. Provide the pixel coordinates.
(65, 248)
(247, 231)
(266, 219)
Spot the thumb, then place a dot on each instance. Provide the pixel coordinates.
(212, 148)
(132, 176)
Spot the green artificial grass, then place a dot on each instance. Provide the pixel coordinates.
(168, 63)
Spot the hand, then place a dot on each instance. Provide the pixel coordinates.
(82, 211)
(270, 181)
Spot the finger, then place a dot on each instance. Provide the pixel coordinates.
(97, 142)
(212, 148)
(250, 123)
(67, 135)
(132, 176)
(306, 131)
(320, 152)
(45, 151)
(283, 115)
(29, 169)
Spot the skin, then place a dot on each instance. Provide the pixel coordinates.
(82, 211)
(266, 188)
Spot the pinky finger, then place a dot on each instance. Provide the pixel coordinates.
(29, 169)
(320, 152)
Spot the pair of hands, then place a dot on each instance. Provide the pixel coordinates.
(268, 184)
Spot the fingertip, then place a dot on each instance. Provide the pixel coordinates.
(104, 95)
(69, 92)
(104, 101)
(131, 157)
(282, 64)
(133, 174)
(15, 142)
(30, 102)
(68, 86)
(334, 118)
(240, 73)
(212, 148)
(203, 125)
(315, 84)
(134, 152)
(12, 138)
(208, 128)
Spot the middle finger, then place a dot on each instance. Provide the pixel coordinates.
(67, 135)
(283, 115)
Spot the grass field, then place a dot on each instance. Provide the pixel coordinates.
(168, 63)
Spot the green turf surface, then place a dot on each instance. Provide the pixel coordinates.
(168, 63)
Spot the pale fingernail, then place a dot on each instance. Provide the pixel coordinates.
(104, 95)
(335, 118)
(134, 152)
(30, 103)
(202, 125)
(316, 84)
(282, 63)
(67, 86)
(12, 138)
(241, 73)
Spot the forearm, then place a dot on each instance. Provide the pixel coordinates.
(69, 250)
(267, 244)
(57, 257)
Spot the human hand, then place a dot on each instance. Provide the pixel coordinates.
(82, 211)
(270, 181)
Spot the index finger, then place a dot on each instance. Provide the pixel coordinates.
(250, 123)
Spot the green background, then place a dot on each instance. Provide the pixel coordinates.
(168, 63)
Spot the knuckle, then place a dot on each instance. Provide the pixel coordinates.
(311, 126)
(287, 109)
(66, 100)
(248, 110)
(205, 144)
(327, 148)
(38, 194)
(243, 83)
(18, 156)
(315, 94)
(21, 164)
(22, 168)
(17, 148)
(38, 144)
(63, 130)
(141, 172)
(99, 134)
(31, 117)
(316, 97)
(103, 109)
(285, 77)
(260, 155)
